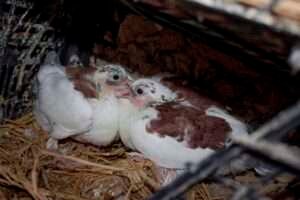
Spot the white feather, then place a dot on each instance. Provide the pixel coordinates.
(67, 110)
(47, 70)
(164, 151)
(126, 118)
(106, 119)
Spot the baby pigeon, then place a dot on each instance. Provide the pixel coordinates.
(171, 131)
(79, 102)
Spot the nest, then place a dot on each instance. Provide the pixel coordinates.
(78, 171)
(81, 171)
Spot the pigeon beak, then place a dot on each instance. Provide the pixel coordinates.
(123, 90)
(129, 79)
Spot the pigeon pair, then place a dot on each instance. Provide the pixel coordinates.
(161, 117)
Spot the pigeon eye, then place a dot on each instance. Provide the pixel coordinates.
(139, 91)
(116, 77)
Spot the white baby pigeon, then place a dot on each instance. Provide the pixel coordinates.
(79, 102)
(60, 109)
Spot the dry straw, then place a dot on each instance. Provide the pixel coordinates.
(77, 172)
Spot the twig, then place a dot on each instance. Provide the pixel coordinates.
(127, 196)
(81, 161)
(68, 196)
(34, 176)
(206, 191)
(21, 182)
(149, 181)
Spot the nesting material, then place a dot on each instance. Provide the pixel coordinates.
(84, 172)
(79, 171)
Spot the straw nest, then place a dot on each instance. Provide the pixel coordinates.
(79, 171)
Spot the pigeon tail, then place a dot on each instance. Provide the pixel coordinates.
(237, 126)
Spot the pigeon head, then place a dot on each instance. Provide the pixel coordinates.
(147, 91)
(116, 74)
(113, 79)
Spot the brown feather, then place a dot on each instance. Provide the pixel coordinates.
(190, 125)
(79, 73)
(85, 87)
(79, 77)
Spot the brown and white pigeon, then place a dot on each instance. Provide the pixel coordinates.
(79, 102)
(173, 133)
